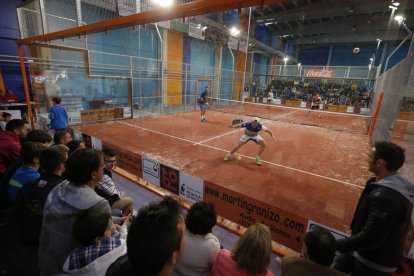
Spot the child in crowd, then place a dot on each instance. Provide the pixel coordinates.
(58, 115)
(98, 250)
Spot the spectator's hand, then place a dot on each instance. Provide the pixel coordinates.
(128, 221)
(117, 226)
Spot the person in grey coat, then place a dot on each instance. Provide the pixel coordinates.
(65, 202)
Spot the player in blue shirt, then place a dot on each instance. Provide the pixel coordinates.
(251, 132)
(203, 104)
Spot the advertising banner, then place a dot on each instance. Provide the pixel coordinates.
(286, 228)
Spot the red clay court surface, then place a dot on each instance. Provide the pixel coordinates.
(315, 172)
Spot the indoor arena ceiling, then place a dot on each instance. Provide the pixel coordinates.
(336, 21)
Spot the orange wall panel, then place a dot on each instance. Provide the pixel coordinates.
(238, 77)
(174, 67)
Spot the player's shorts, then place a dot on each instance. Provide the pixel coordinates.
(245, 138)
(315, 107)
(202, 106)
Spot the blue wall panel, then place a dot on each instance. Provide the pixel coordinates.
(9, 32)
(314, 56)
(201, 61)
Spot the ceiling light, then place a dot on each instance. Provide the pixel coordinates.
(392, 7)
(234, 31)
(204, 28)
(399, 18)
(299, 64)
(285, 59)
(163, 3)
(395, 4)
(268, 23)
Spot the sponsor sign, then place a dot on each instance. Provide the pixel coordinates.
(170, 179)
(151, 171)
(320, 73)
(93, 115)
(119, 112)
(286, 228)
(96, 143)
(191, 187)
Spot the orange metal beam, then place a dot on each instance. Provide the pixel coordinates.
(162, 14)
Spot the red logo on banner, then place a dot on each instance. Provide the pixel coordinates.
(319, 73)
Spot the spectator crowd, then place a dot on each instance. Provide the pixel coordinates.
(330, 92)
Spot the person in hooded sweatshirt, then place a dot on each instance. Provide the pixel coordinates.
(64, 204)
(381, 219)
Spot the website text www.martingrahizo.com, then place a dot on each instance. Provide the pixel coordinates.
(278, 221)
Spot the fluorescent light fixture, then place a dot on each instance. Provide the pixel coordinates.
(163, 3)
(268, 23)
(234, 31)
(399, 18)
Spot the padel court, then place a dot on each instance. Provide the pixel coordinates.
(313, 173)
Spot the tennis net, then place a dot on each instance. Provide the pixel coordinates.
(340, 121)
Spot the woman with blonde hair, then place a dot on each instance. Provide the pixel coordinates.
(250, 256)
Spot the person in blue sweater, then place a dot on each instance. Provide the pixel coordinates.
(58, 115)
(30, 155)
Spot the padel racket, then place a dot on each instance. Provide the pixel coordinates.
(236, 122)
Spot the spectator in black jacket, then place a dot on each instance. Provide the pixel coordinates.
(381, 219)
(29, 206)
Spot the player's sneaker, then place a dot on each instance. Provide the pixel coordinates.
(258, 161)
(227, 157)
(238, 157)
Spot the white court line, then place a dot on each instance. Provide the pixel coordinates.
(283, 115)
(218, 136)
(271, 163)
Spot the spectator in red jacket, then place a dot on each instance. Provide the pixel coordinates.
(10, 97)
(16, 130)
